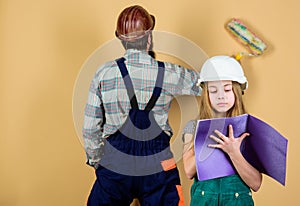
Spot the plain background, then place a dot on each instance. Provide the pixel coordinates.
(43, 45)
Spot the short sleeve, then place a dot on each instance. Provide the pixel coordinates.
(189, 128)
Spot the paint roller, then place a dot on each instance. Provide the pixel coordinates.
(246, 37)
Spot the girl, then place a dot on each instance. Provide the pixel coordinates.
(223, 82)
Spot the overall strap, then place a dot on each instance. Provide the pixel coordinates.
(128, 83)
(158, 86)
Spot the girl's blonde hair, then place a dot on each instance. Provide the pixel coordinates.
(207, 112)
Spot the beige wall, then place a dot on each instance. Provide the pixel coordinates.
(43, 45)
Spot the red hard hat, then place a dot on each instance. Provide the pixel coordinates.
(134, 22)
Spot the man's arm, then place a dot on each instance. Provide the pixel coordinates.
(182, 81)
(93, 125)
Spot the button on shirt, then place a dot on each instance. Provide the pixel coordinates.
(108, 104)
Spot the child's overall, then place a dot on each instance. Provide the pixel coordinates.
(137, 161)
(224, 191)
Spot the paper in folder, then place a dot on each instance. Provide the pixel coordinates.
(265, 148)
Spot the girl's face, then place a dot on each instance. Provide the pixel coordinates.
(221, 96)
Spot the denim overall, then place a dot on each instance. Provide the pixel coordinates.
(224, 191)
(137, 161)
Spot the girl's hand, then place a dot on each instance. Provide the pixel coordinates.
(251, 176)
(230, 145)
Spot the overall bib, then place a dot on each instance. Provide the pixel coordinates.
(137, 160)
(224, 191)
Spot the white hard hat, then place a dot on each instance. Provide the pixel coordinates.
(223, 68)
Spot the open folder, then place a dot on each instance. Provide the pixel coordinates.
(265, 148)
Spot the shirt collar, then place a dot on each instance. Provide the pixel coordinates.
(141, 56)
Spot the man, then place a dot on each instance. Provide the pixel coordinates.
(126, 130)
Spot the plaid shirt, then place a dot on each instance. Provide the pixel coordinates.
(108, 104)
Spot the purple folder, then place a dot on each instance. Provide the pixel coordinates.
(265, 148)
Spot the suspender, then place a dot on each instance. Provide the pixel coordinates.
(129, 85)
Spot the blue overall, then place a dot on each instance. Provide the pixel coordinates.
(136, 157)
